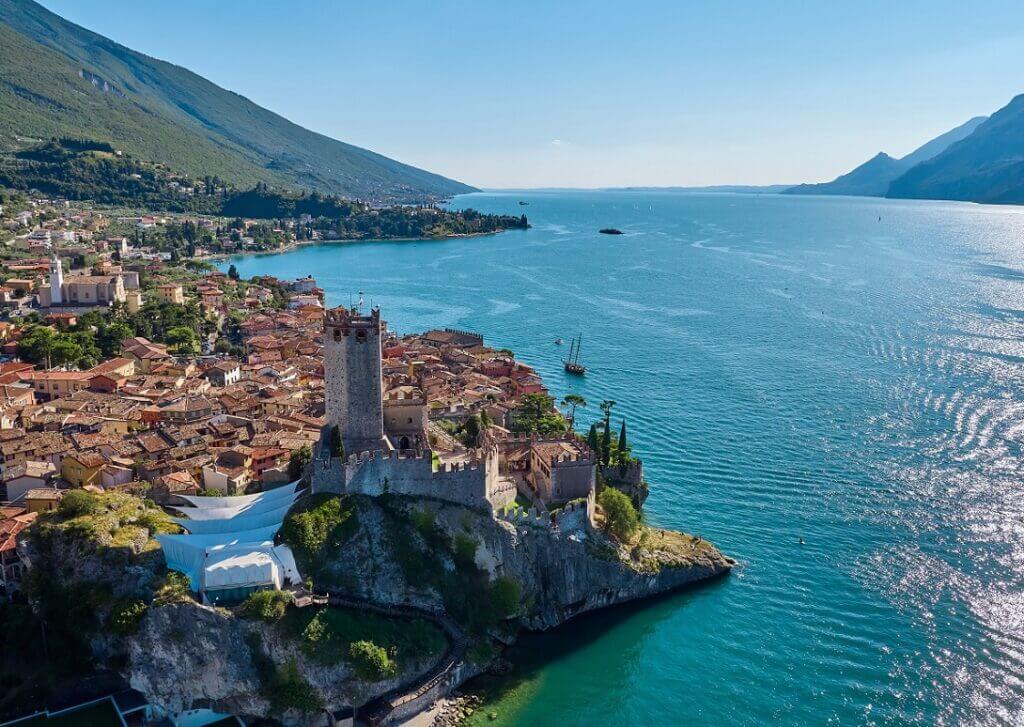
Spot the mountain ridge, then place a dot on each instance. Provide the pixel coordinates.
(61, 79)
(987, 166)
(873, 177)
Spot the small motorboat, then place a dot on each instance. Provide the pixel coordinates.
(558, 341)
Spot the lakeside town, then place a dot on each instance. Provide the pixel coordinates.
(229, 416)
(225, 393)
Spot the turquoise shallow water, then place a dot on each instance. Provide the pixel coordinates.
(848, 371)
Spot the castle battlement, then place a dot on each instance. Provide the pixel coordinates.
(406, 396)
(585, 458)
(462, 332)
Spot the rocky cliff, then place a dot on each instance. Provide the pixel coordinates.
(560, 572)
(474, 578)
(187, 655)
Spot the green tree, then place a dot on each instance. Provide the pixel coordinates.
(621, 518)
(505, 594)
(45, 347)
(182, 339)
(606, 441)
(299, 460)
(592, 440)
(266, 606)
(471, 431)
(536, 413)
(623, 449)
(110, 336)
(370, 662)
(573, 401)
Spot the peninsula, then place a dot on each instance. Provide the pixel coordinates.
(317, 518)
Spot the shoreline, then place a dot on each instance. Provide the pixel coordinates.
(293, 246)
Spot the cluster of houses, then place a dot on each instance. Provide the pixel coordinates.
(169, 426)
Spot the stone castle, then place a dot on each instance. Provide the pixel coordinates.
(384, 437)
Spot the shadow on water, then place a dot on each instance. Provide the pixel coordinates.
(534, 653)
(999, 272)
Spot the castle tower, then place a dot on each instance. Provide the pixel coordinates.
(352, 374)
(56, 281)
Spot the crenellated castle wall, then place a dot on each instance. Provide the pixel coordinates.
(377, 473)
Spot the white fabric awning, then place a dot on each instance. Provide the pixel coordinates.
(210, 512)
(240, 522)
(230, 543)
(241, 500)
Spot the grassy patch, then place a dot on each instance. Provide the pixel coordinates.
(657, 549)
(174, 588)
(327, 634)
(318, 526)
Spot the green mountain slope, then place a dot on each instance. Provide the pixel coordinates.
(987, 166)
(873, 177)
(58, 79)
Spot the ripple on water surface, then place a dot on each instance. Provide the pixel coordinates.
(848, 371)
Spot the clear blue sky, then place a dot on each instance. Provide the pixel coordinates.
(506, 94)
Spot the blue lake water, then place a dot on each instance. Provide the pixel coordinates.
(849, 371)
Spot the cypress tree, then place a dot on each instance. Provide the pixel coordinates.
(623, 447)
(606, 445)
(592, 438)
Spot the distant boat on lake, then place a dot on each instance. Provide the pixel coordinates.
(610, 231)
(572, 363)
(523, 203)
(558, 341)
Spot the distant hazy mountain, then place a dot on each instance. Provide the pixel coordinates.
(873, 177)
(987, 166)
(58, 79)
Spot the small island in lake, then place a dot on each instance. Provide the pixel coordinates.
(610, 231)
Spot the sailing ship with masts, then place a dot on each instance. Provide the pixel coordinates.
(572, 363)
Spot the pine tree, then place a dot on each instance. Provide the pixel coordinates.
(623, 446)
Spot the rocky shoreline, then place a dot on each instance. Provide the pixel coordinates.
(182, 659)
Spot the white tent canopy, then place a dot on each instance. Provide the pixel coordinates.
(231, 546)
(243, 521)
(239, 519)
(241, 500)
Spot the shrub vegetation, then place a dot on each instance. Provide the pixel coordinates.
(266, 606)
(621, 518)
